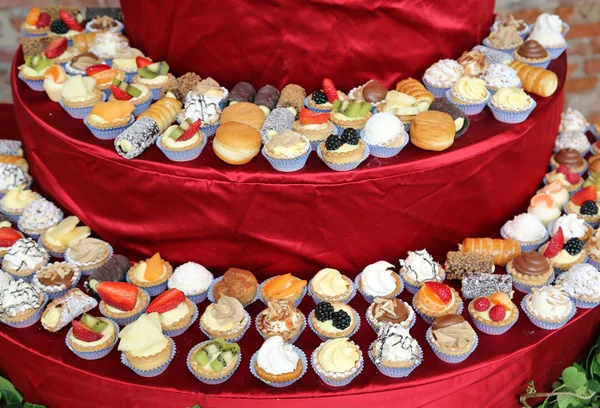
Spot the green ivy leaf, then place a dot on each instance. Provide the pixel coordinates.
(6, 385)
(11, 400)
(196, 406)
(30, 405)
(594, 385)
(596, 367)
(572, 377)
(556, 385)
(579, 368)
(568, 401)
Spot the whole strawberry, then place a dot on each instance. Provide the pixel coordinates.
(330, 90)
(497, 313)
(481, 304)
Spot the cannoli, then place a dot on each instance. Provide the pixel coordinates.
(242, 92)
(114, 270)
(484, 284)
(459, 264)
(60, 312)
(280, 119)
(164, 111)
(292, 96)
(11, 147)
(461, 121)
(267, 98)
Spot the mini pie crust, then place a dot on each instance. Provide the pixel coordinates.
(394, 364)
(441, 274)
(184, 321)
(213, 375)
(532, 280)
(291, 299)
(277, 378)
(137, 80)
(51, 247)
(569, 265)
(226, 335)
(403, 118)
(453, 308)
(546, 319)
(107, 342)
(161, 280)
(30, 77)
(120, 76)
(389, 295)
(581, 168)
(27, 313)
(25, 271)
(142, 301)
(345, 333)
(334, 156)
(95, 98)
(336, 376)
(150, 362)
(449, 350)
(569, 209)
(36, 30)
(378, 324)
(511, 318)
(506, 109)
(313, 135)
(314, 105)
(287, 335)
(357, 123)
(101, 262)
(339, 298)
(196, 144)
(114, 124)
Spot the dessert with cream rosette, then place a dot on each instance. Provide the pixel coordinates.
(469, 94)
(92, 337)
(379, 280)
(21, 304)
(89, 254)
(547, 31)
(527, 230)
(390, 311)
(16, 200)
(494, 314)
(452, 338)
(582, 284)
(436, 299)
(177, 313)
(548, 307)
(584, 204)
(572, 120)
(418, 268)
(121, 301)
(333, 320)
(56, 278)
(278, 363)
(214, 361)
(337, 361)
(281, 318)
(564, 255)
(192, 279)
(533, 53)
(329, 285)
(151, 274)
(498, 76)
(557, 191)
(530, 269)
(395, 353)
(442, 75)
(225, 319)
(24, 258)
(511, 105)
(544, 207)
(572, 227)
(12, 176)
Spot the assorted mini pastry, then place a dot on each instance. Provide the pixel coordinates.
(563, 255)
(281, 318)
(511, 105)
(21, 303)
(582, 284)
(277, 363)
(504, 38)
(185, 137)
(395, 352)
(16, 200)
(56, 278)
(390, 312)
(343, 152)
(38, 216)
(104, 23)
(371, 91)
(225, 319)
(54, 80)
(548, 307)
(151, 275)
(58, 238)
(315, 128)
(530, 269)
(237, 283)
(89, 254)
(461, 264)
(572, 227)
(37, 23)
(24, 258)
(572, 120)
(379, 280)
(214, 361)
(12, 176)
(570, 158)
(497, 76)
(544, 207)
(469, 94)
(122, 301)
(435, 130)
(385, 135)
(494, 314)
(105, 76)
(558, 192)
(61, 311)
(283, 287)
(475, 62)
(137, 94)
(154, 76)
(520, 25)
(436, 299)
(79, 95)
(8, 236)
(441, 76)
(329, 285)
(80, 63)
(452, 338)
(350, 114)
(573, 140)
(527, 230)
(177, 313)
(323, 99)
(547, 31)
(337, 361)
(333, 320)
(33, 71)
(287, 150)
(418, 268)
(404, 106)
(92, 338)
(192, 279)
(584, 204)
(533, 53)
(114, 270)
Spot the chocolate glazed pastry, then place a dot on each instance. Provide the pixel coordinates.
(390, 311)
(533, 50)
(114, 270)
(242, 92)
(531, 263)
(460, 119)
(447, 321)
(568, 157)
(267, 96)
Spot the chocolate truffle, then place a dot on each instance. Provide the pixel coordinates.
(569, 157)
(373, 91)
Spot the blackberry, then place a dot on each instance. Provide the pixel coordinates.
(324, 312)
(589, 207)
(341, 320)
(574, 246)
(333, 142)
(350, 136)
(59, 27)
(319, 98)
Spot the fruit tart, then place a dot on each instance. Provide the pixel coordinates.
(281, 318)
(314, 126)
(33, 70)
(584, 204)
(277, 363)
(225, 319)
(405, 107)
(89, 254)
(238, 283)
(494, 314)
(107, 120)
(91, 337)
(323, 99)
(81, 62)
(390, 312)
(572, 227)
(333, 320)
(436, 299)
(151, 275)
(56, 279)
(65, 234)
(564, 255)
(154, 76)
(183, 142)
(530, 269)
(557, 191)
(16, 200)
(139, 95)
(329, 285)
(24, 258)
(344, 152)
(122, 301)
(21, 303)
(452, 338)
(379, 280)
(8, 237)
(59, 51)
(395, 352)
(128, 61)
(337, 361)
(283, 287)
(67, 24)
(54, 80)
(548, 307)
(544, 207)
(348, 114)
(418, 268)
(214, 361)
(105, 76)
(79, 95)
(36, 24)
(177, 313)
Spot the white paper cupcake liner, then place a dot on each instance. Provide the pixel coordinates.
(492, 330)
(296, 303)
(182, 156)
(430, 320)
(199, 298)
(233, 339)
(54, 254)
(385, 152)
(79, 113)
(287, 165)
(505, 50)
(36, 85)
(369, 312)
(448, 358)
(142, 107)
(154, 372)
(345, 166)
(82, 267)
(346, 300)
(437, 91)
(556, 52)
(211, 297)
(468, 109)
(124, 321)
(307, 105)
(284, 383)
(150, 290)
(394, 372)
(31, 320)
(26, 34)
(543, 324)
(529, 246)
(325, 338)
(108, 134)
(525, 288)
(371, 298)
(178, 332)
(211, 381)
(292, 340)
(94, 355)
(511, 117)
(336, 382)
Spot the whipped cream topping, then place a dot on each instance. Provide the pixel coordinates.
(444, 73)
(548, 31)
(39, 215)
(572, 226)
(394, 343)
(227, 314)
(277, 357)
(329, 282)
(202, 107)
(378, 279)
(4, 279)
(549, 302)
(383, 128)
(420, 267)
(582, 280)
(498, 76)
(25, 254)
(11, 176)
(572, 140)
(338, 357)
(108, 44)
(17, 297)
(190, 278)
(525, 228)
(572, 121)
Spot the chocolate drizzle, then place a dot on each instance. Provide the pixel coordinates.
(17, 297)
(389, 334)
(23, 249)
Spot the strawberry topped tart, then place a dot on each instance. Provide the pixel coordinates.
(92, 337)
(561, 255)
(59, 51)
(436, 299)
(177, 313)
(585, 205)
(121, 301)
(494, 314)
(315, 126)
(569, 179)
(322, 100)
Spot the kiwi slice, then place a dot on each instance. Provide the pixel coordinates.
(365, 108)
(344, 106)
(176, 133)
(353, 110)
(208, 351)
(42, 63)
(133, 91)
(164, 68)
(154, 67)
(96, 325)
(146, 73)
(336, 106)
(29, 61)
(185, 125)
(123, 86)
(116, 82)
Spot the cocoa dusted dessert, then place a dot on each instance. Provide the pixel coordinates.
(570, 158)
(459, 264)
(292, 97)
(181, 86)
(532, 52)
(33, 46)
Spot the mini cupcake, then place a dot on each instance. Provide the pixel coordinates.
(329, 285)
(21, 303)
(57, 239)
(38, 216)
(572, 120)
(345, 152)
(137, 94)
(582, 284)
(214, 362)
(192, 279)
(109, 119)
(584, 205)
(13, 176)
(544, 207)
(494, 314)
(418, 268)
(564, 255)
(79, 95)
(504, 38)
(452, 338)
(92, 338)
(390, 312)
(24, 258)
(395, 353)
(16, 200)
(379, 280)
(572, 227)
(570, 180)
(277, 363)
(441, 76)
(527, 230)
(349, 114)
(281, 318)
(155, 76)
(151, 275)
(89, 254)
(548, 307)
(56, 279)
(33, 70)
(532, 53)
(287, 151)
(334, 320)
(283, 287)
(520, 25)
(36, 24)
(469, 94)
(177, 313)
(547, 31)
(385, 135)
(122, 302)
(103, 23)
(436, 299)
(529, 270)
(498, 76)
(511, 105)
(225, 319)
(337, 361)
(80, 63)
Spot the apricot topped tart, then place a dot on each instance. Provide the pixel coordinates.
(436, 299)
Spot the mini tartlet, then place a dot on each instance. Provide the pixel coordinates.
(570, 158)
(182, 142)
(238, 283)
(38, 216)
(527, 230)
(584, 204)
(56, 279)
(557, 192)
(418, 268)
(225, 319)
(530, 269)
(452, 338)
(281, 318)
(89, 254)
(548, 307)
(533, 53)
(59, 238)
(315, 132)
(287, 151)
(107, 120)
(436, 299)
(334, 320)
(582, 284)
(151, 275)
(141, 102)
(329, 285)
(21, 303)
(337, 361)
(395, 352)
(277, 363)
(24, 258)
(214, 361)
(16, 200)
(8, 237)
(572, 227)
(469, 94)
(379, 280)
(80, 63)
(122, 301)
(36, 24)
(441, 76)
(177, 313)
(494, 314)
(511, 105)
(80, 92)
(390, 311)
(12, 176)
(344, 152)
(348, 114)
(283, 287)
(192, 279)
(385, 135)
(564, 255)
(92, 337)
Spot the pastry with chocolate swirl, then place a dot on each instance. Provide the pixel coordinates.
(570, 158)
(532, 52)
(390, 311)
(530, 269)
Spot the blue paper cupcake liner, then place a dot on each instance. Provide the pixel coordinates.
(414, 289)
(492, 330)
(543, 324)
(593, 263)
(525, 288)
(107, 92)
(334, 382)
(314, 109)
(108, 61)
(26, 278)
(371, 298)
(60, 293)
(208, 130)
(345, 300)
(199, 298)
(108, 134)
(58, 255)
(325, 338)
(185, 155)
(154, 372)
(290, 341)
(530, 246)
(129, 76)
(507, 51)
(124, 321)
(412, 322)
(314, 144)
(89, 271)
(14, 218)
(211, 297)
(233, 339)
(296, 303)
(80, 113)
(468, 108)
(511, 117)
(556, 52)
(150, 290)
(395, 372)
(385, 152)
(345, 166)
(523, 33)
(36, 85)
(31, 320)
(437, 91)
(582, 304)
(448, 358)
(430, 320)
(283, 384)
(287, 165)
(566, 29)
(94, 355)
(543, 64)
(178, 332)
(142, 107)
(210, 381)
(26, 34)
(156, 93)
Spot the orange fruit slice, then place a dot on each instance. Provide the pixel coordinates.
(33, 16)
(430, 300)
(276, 284)
(501, 298)
(154, 268)
(57, 73)
(553, 188)
(295, 286)
(105, 77)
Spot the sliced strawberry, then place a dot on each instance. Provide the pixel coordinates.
(166, 301)
(563, 169)
(70, 21)
(586, 194)
(142, 61)
(121, 295)
(43, 21)
(441, 290)
(8, 237)
(120, 94)
(555, 245)
(481, 304)
(56, 48)
(308, 117)
(330, 90)
(189, 132)
(94, 69)
(573, 178)
(84, 333)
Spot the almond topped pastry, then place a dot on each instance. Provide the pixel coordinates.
(281, 318)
